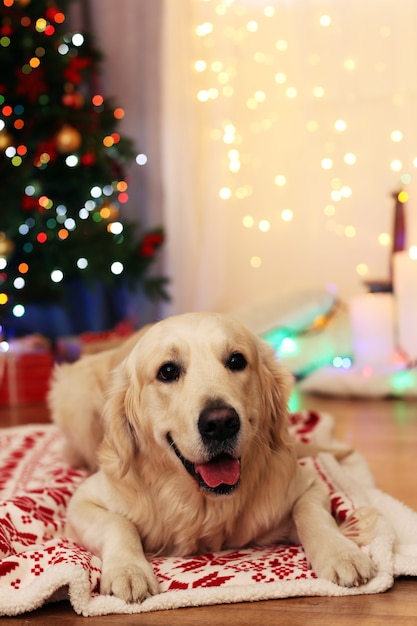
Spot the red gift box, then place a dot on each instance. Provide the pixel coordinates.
(24, 377)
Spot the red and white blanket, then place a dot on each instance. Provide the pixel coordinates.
(39, 564)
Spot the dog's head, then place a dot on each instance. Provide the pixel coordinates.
(200, 392)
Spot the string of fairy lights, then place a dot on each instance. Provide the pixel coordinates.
(234, 48)
(252, 74)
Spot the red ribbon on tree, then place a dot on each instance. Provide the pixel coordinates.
(150, 244)
(73, 73)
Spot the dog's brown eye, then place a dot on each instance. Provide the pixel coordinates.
(236, 362)
(169, 372)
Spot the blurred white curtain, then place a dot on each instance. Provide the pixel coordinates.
(128, 32)
(193, 216)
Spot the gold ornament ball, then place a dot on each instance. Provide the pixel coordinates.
(6, 140)
(6, 245)
(68, 139)
(74, 100)
(109, 211)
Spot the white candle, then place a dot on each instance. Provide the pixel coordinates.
(372, 322)
(405, 289)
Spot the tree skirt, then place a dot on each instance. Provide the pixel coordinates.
(39, 564)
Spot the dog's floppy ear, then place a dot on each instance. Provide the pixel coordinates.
(120, 442)
(276, 385)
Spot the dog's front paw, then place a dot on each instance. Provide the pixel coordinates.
(349, 567)
(132, 582)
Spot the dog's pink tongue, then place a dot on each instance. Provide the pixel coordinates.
(221, 471)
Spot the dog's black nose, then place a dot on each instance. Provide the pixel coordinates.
(218, 423)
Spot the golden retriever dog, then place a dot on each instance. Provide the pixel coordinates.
(76, 399)
(195, 456)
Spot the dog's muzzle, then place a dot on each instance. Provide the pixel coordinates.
(218, 426)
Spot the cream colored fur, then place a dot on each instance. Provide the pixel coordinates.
(77, 396)
(143, 501)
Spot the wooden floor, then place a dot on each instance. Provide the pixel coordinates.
(386, 433)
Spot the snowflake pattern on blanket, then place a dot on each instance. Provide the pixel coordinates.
(37, 560)
(231, 567)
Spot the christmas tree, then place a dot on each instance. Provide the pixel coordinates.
(61, 166)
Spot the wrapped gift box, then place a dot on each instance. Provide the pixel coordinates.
(24, 376)
(69, 349)
(93, 342)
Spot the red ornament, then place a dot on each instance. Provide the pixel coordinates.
(29, 203)
(150, 244)
(46, 147)
(73, 100)
(6, 30)
(51, 12)
(88, 159)
(73, 72)
(31, 85)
